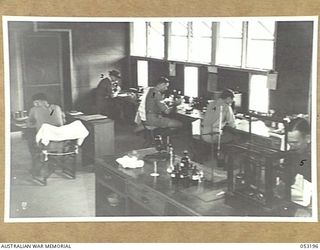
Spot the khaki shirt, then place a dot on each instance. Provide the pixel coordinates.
(211, 121)
(154, 102)
(52, 115)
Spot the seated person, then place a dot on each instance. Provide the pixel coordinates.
(218, 115)
(107, 89)
(152, 107)
(41, 112)
(299, 143)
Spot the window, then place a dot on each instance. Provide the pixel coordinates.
(258, 93)
(179, 41)
(243, 44)
(155, 39)
(139, 39)
(229, 43)
(191, 81)
(148, 39)
(142, 73)
(201, 42)
(246, 44)
(260, 44)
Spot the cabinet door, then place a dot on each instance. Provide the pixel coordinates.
(109, 203)
(42, 67)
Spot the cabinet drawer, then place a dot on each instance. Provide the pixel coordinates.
(147, 198)
(109, 178)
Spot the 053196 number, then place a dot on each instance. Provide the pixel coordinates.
(309, 246)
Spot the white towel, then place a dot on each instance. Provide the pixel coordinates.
(301, 191)
(142, 107)
(72, 131)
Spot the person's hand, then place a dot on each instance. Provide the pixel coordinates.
(178, 102)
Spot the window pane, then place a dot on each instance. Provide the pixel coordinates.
(260, 54)
(261, 29)
(229, 51)
(179, 28)
(142, 73)
(200, 49)
(156, 40)
(157, 28)
(139, 39)
(230, 29)
(202, 29)
(179, 48)
(260, 44)
(259, 94)
(191, 81)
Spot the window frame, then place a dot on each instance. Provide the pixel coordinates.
(245, 47)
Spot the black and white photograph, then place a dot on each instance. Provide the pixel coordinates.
(160, 119)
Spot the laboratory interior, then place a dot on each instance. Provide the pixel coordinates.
(164, 118)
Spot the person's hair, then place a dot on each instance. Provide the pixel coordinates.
(227, 93)
(299, 124)
(39, 96)
(162, 80)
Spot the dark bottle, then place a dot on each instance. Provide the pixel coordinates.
(185, 159)
(175, 175)
(158, 142)
(184, 175)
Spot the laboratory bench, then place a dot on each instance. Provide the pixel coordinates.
(134, 192)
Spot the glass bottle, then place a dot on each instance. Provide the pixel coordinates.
(158, 142)
(171, 160)
(175, 173)
(185, 159)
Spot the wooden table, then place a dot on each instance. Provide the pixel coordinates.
(139, 194)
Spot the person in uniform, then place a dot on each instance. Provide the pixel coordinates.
(155, 106)
(41, 112)
(107, 89)
(299, 144)
(218, 115)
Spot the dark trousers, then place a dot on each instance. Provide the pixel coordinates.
(35, 152)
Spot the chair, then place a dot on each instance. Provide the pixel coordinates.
(59, 147)
(59, 154)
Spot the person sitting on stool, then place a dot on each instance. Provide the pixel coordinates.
(218, 115)
(41, 112)
(155, 106)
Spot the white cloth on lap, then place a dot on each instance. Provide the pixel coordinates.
(72, 131)
(141, 113)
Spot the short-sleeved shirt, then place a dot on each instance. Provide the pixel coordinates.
(52, 115)
(154, 102)
(211, 121)
(154, 107)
